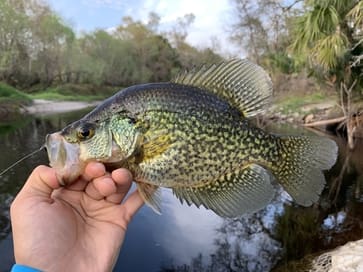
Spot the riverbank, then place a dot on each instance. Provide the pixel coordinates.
(306, 113)
(277, 112)
(315, 110)
(42, 106)
(14, 103)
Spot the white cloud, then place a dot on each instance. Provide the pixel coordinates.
(211, 18)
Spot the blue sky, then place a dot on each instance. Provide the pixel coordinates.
(212, 16)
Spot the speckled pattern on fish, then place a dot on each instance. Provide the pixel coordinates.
(194, 135)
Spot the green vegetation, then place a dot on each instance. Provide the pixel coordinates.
(320, 38)
(74, 92)
(11, 102)
(298, 230)
(295, 41)
(9, 93)
(329, 34)
(7, 126)
(60, 97)
(39, 50)
(43, 57)
(290, 104)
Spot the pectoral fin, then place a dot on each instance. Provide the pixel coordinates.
(155, 145)
(233, 194)
(151, 194)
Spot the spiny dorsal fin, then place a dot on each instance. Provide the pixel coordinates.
(246, 190)
(242, 83)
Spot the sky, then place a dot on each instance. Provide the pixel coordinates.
(211, 17)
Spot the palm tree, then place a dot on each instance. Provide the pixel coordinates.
(330, 34)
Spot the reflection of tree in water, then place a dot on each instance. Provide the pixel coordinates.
(242, 244)
(306, 233)
(250, 243)
(16, 141)
(5, 200)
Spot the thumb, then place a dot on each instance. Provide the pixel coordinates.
(41, 182)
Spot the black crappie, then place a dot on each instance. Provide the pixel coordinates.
(193, 135)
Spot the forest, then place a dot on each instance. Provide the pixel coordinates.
(293, 40)
(38, 50)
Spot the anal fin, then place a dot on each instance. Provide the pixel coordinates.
(233, 194)
(151, 194)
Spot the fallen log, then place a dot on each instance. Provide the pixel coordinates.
(326, 122)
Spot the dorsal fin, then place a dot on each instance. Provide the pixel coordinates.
(242, 83)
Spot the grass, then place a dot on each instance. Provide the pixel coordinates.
(61, 97)
(13, 101)
(72, 92)
(9, 94)
(294, 103)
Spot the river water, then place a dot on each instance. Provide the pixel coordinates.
(190, 239)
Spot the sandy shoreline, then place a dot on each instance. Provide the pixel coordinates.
(42, 106)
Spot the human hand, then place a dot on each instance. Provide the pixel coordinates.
(80, 227)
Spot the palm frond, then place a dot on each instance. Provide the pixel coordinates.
(314, 25)
(356, 13)
(328, 51)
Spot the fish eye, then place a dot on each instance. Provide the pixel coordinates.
(85, 133)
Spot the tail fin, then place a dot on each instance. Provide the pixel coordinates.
(300, 169)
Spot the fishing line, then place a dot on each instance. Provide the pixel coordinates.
(20, 160)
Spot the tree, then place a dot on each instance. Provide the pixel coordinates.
(154, 58)
(13, 30)
(261, 27)
(50, 38)
(329, 34)
(189, 56)
(38, 48)
(179, 31)
(32, 42)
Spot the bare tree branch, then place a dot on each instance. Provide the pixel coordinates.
(287, 8)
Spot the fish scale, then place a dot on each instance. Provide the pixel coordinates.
(203, 148)
(193, 135)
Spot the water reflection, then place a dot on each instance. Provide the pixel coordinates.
(18, 138)
(247, 243)
(250, 244)
(195, 227)
(190, 239)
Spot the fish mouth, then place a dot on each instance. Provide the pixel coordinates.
(64, 158)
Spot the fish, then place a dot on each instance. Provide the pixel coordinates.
(194, 135)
